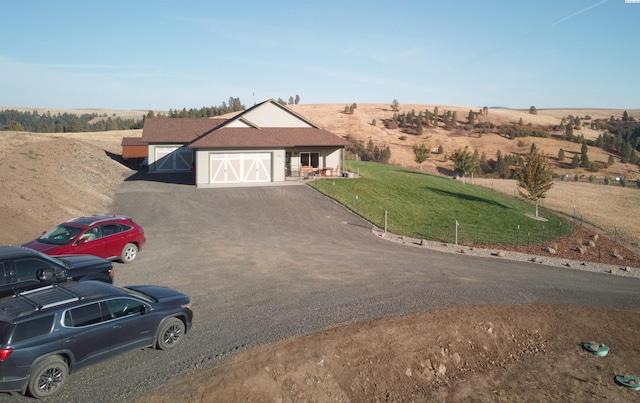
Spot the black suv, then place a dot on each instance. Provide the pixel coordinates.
(48, 332)
(24, 269)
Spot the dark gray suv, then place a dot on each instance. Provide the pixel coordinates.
(49, 332)
(22, 269)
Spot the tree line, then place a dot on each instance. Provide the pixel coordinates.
(37, 122)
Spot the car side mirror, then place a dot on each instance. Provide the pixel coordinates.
(51, 275)
(46, 275)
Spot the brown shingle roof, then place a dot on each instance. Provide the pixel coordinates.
(245, 137)
(179, 130)
(132, 141)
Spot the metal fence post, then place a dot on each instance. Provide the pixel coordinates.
(457, 231)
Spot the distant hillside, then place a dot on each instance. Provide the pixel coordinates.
(358, 126)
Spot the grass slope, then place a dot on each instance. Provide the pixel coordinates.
(426, 206)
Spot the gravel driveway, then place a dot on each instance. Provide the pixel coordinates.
(262, 264)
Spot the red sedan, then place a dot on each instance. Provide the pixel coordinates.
(110, 237)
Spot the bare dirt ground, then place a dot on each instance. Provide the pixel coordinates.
(478, 353)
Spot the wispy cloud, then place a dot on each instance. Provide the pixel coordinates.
(576, 13)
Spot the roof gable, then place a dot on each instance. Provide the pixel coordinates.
(269, 114)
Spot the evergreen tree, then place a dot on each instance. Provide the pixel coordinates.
(15, 126)
(569, 132)
(297, 100)
(575, 163)
(611, 160)
(454, 118)
(532, 110)
(472, 117)
(584, 158)
(561, 155)
(395, 106)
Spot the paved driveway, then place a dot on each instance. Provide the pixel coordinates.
(266, 263)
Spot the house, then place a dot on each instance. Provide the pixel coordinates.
(264, 144)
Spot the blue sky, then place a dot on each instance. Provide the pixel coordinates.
(160, 54)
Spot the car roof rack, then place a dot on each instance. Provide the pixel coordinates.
(47, 297)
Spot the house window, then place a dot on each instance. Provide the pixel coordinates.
(310, 159)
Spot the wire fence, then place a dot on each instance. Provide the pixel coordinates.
(474, 234)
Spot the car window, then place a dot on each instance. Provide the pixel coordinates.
(5, 278)
(92, 234)
(32, 328)
(123, 307)
(110, 229)
(26, 269)
(83, 316)
(60, 235)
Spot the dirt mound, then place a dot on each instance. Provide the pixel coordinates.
(522, 353)
(47, 180)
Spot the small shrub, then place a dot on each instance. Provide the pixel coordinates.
(521, 143)
(373, 122)
(623, 182)
(403, 137)
(592, 178)
(576, 177)
(638, 183)
(607, 180)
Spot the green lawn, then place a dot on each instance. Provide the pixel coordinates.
(426, 206)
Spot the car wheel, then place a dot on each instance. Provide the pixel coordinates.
(170, 334)
(48, 377)
(129, 253)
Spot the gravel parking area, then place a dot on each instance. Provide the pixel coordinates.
(264, 264)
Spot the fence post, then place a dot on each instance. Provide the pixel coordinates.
(518, 236)
(385, 221)
(528, 238)
(456, 239)
(356, 203)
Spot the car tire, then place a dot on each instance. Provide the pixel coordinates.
(48, 377)
(129, 253)
(170, 334)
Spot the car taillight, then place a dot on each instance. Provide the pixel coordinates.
(5, 353)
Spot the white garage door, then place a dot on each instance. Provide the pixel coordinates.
(173, 159)
(240, 167)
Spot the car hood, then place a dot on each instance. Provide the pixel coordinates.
(41, 247)
(81, 261)
(162, 294)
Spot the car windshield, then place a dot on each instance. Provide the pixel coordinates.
(139, 294)
(60, 235)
